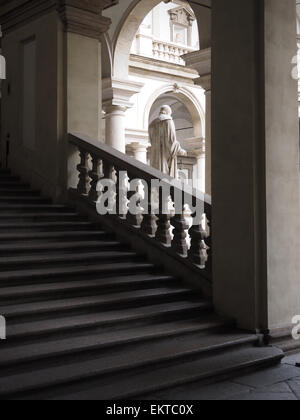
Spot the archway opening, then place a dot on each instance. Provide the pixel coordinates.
(191, 168)
(182, 118)
(148, 68)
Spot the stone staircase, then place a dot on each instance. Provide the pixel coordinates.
(87, 318)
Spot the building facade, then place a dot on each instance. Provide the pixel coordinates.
(102, 69)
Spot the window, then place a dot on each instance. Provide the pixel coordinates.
(181, 25)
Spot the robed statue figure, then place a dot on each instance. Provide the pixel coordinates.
(164, 146)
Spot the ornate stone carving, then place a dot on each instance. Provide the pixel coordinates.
(182, 16)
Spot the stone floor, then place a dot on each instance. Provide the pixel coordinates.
(280, 383)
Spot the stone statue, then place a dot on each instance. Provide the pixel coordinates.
(164, 146)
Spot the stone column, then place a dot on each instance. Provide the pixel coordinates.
(196, 148)
(117, 95)
(115, 126)
(201, 61)
(205, 82)
(201, 167)
(255, 163)
(138, 151)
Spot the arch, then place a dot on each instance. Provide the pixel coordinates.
(189, 100)
(106, 57)
(130, 23)
(127, 30)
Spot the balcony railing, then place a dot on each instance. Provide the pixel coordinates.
(170, 52)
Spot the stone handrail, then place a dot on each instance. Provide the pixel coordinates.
(189, 241)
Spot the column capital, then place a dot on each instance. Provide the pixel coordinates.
(117, 92)
(199, 60)
(110, 109)
(83, 17)
(194, 146)
(137, 147)
(138, 151)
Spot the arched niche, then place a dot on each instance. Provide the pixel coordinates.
(186, 97)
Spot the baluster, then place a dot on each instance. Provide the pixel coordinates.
(133, 219)
(95, 175)
(154, 49)
(83, 169)
(148, 225)
(163, 224)
(198, 251)
(161, 47)
(179, 243)
(208, 241)
(176, 54)
(121, 199)
(108, 173)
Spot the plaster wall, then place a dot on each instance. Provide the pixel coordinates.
(255, 163)
(67, 98)
(39, 164)
(282, 164)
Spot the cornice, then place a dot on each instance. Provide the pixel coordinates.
(117, 92)
(83, 20)
(80, 16)
(16, 13)
(199, 60)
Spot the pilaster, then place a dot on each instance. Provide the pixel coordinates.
(117, 95)
(201, 62)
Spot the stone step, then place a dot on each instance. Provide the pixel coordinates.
(103, 339)
(113, 318)
(51, 235)
(89, 303)
(88, 317)
(23, 200)
(16, 209)
(8, 229)
(19, 192)
(58, 247)
(134, 385)
(38, 217)
(9, 178)
(4, 171)
(36, 260)
(13, 184)
(125, 376)
(105, 269)
(61, 287)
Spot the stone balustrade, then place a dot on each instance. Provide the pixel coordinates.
(170, 52)
(189, 240)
